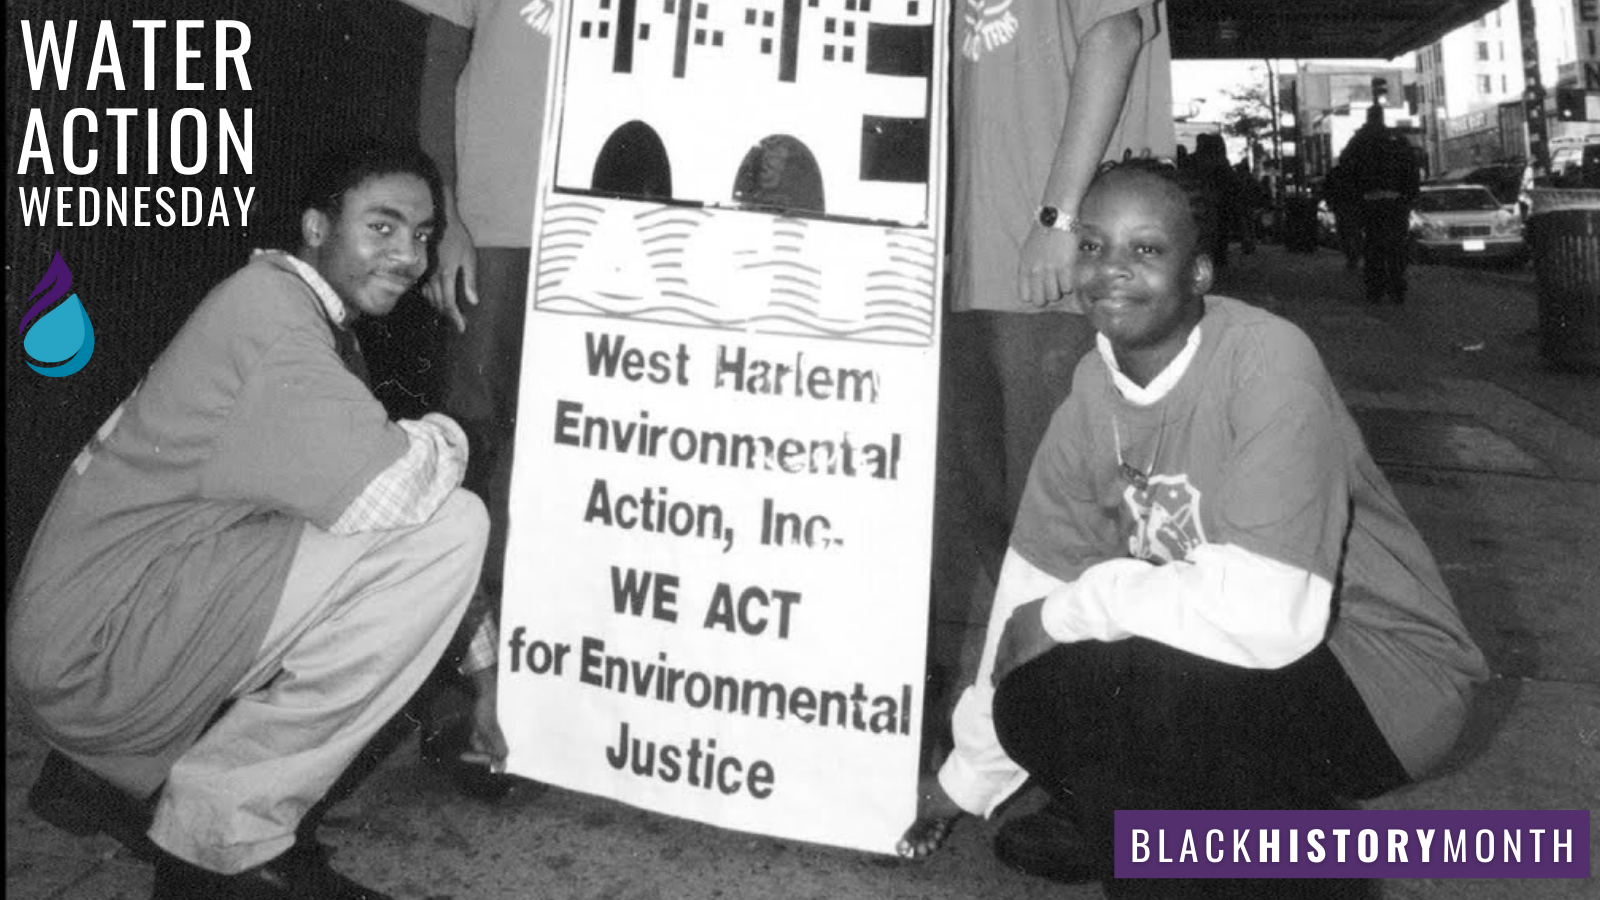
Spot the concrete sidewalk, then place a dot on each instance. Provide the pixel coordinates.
(1496, 458)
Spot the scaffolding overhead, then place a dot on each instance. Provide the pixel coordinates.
(1368, 29)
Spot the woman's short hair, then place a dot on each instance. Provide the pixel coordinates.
(1196, 188)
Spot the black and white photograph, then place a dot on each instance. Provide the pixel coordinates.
(746, 449)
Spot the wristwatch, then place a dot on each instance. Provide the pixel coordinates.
(1053, 217)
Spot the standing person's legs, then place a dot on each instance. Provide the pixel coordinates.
(1035, 356)
(361, 621)
(1002, 377)
(1387, 226)
(1400, 232)
(482, 374)
(1374, 260)
(483, 371)
(1349, 233)
(969, 523)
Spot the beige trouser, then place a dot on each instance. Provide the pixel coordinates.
(362, 621)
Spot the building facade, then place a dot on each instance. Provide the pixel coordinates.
(1331, 102)
(1472, 86)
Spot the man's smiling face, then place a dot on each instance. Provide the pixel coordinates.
(376, 247)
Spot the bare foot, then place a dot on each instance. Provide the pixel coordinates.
(925, 836)
(936, 815)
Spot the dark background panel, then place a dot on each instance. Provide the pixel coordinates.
(320, 72)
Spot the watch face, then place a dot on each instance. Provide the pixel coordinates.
(1048, 215)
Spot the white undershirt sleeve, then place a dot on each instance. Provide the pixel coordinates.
(978, 775)
(1223, 602)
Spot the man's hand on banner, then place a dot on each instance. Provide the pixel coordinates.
(456, 258)
(936, 815)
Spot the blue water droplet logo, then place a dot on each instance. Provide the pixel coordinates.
(61, 338)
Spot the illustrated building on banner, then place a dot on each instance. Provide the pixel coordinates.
(816, 110)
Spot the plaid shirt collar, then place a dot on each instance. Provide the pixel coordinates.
(337, 312)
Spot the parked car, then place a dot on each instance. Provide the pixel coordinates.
(1574, 164)
(1465, 221)
(1504, 179)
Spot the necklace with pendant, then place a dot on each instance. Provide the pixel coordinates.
(1139, 542)
(1139, 478)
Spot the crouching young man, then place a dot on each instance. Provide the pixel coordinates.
(250, 526)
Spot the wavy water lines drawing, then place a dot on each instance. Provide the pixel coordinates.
(900, 291)
(665, 232)
(566, 231)
(750, 272)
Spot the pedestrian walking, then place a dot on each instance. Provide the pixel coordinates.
(1383, 165)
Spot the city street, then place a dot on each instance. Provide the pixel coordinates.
(1495, 456)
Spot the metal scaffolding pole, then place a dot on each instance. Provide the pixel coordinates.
(1533, 92)
(1277, 124)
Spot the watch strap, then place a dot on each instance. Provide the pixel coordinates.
(1054, 218)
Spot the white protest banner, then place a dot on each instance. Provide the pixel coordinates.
(716, 588)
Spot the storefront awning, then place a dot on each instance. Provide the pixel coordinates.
(1331, 29)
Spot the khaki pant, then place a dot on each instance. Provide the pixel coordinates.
(362, 621)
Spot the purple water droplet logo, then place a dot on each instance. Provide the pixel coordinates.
(61, 339)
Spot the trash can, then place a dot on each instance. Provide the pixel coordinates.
(1563, 232)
